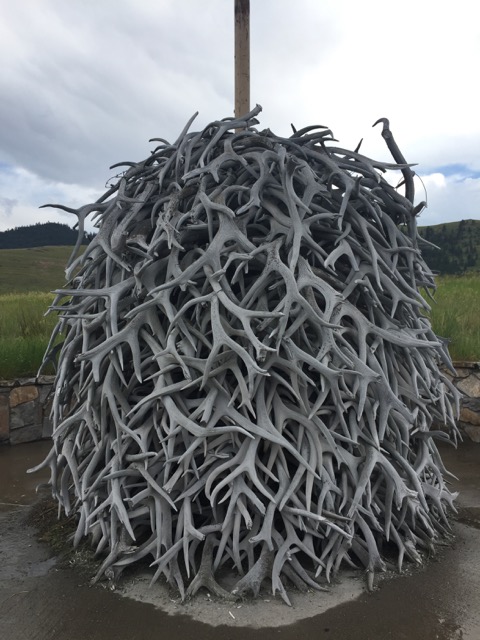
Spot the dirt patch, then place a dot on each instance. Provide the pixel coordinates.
(57, 531)
(50, 528)
(266, 611)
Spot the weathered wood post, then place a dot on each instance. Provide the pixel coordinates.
(242, 57)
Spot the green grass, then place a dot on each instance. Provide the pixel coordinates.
(456, 315)
(35, 269)
(26, 275)
(24, 332)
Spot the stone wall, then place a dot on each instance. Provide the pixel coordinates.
(25, 409)
(467, 381)
(25, 406)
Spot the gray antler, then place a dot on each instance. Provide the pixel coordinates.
(248, 376)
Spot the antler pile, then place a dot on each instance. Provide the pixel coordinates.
(247, 368)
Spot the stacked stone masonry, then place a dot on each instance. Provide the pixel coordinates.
(467, 381)
(25, 406)
(25, 410)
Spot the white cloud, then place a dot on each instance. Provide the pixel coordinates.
(435, 181)
(23, 215)
(86, 84)
(450, 198)
(23, 192)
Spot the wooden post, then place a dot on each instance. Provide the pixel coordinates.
(242, 57)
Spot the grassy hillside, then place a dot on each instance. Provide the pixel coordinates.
(42, 268)
(459, 244)
(24, 331)
(35, 269)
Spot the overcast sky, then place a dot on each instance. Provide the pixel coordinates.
(85, 83)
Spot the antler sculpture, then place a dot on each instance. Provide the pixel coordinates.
(248, 376)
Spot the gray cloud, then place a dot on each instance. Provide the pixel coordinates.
(92, 83)
(85, 84)
(7, 205)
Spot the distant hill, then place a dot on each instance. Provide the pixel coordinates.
(34, 269)
(459, 246)
(42, 234)
(40, 267)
